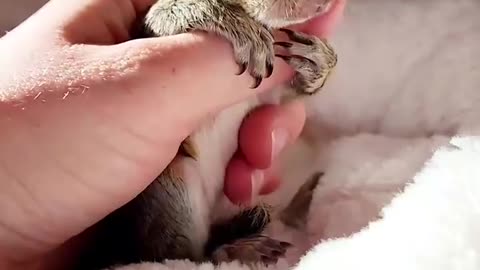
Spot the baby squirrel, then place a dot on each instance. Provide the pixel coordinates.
(178, 216)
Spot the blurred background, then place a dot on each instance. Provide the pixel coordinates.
(12, 12)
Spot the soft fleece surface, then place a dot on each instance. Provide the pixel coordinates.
(395, 132)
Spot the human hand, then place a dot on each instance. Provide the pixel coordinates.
(83, 113)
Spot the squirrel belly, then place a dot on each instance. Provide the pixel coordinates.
(215, 142)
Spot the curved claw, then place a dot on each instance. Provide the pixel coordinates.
(269, 70)
(258, 81)
(286, 31)
(283, 44)
(242, 68)
(297, 37)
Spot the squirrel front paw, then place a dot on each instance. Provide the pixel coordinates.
(252, 41)
(312, 58)
(253, 47)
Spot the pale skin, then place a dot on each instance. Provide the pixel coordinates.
(89, 119)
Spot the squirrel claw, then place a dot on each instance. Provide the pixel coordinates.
(258, 81)
(269, 70)
(242, 67)
(298, 37)
(283, 44)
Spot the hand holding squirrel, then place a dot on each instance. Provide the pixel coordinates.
(87, 116)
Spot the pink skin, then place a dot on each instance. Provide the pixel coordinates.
(69, 160)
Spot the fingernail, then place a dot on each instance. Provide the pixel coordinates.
(279, 140)
(258, 178)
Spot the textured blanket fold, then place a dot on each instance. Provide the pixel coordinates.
(432, 224)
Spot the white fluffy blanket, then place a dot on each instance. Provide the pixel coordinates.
(398, 122)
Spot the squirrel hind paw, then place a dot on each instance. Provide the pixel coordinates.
(252, 250)
(312, 58)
